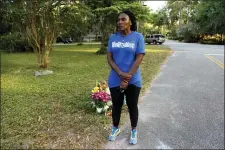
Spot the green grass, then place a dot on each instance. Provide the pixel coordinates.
(53, 111)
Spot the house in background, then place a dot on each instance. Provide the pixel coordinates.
(92, 36)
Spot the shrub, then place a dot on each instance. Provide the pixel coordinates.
(79, 44)
(14, 43)
(212, 39)
(102, 50)
(188, 33)
(173, 34)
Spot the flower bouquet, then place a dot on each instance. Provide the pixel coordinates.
(101, 99)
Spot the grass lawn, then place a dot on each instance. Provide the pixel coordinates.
(54, 111)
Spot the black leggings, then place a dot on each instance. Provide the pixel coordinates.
(132, 94)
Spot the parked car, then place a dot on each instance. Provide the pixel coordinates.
(64, 40)
(155, 38)
(68, 40)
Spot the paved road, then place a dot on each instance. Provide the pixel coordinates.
(184, 108)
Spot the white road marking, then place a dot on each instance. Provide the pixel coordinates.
(215, 54)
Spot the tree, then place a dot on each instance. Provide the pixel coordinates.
(105, 17)
(4, 26)
(104, 14)
(209, 16)
(37, 19)
(74, 21)
(42, 20)
(160, 19)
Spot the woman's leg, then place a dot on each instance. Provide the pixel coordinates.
(132, 94)
(117, 103)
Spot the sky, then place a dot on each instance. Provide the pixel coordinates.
(154, 5)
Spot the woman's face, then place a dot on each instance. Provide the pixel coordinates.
(123, 22)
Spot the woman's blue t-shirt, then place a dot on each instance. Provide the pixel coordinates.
(124, 50)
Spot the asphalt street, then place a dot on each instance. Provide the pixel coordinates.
(184, 107)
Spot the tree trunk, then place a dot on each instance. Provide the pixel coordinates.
(43, 58)
(39, 58)
(104, 35)
(221, 38)
(103, 38)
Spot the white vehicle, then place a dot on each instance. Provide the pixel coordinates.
(155, 38)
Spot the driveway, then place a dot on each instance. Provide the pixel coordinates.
(184, 107)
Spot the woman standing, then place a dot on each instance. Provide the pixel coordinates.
(126, 49)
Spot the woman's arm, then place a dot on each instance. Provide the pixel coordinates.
(136, 64)
(134, 67)
(112, 63)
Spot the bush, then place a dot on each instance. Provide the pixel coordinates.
(173, 34)
(188, 33)
(14, 43)
(102, 51)
(80, 44)
(214, 39)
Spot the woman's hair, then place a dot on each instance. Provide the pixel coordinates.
(132, 17)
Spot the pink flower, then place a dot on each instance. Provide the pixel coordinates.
(102, 96)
